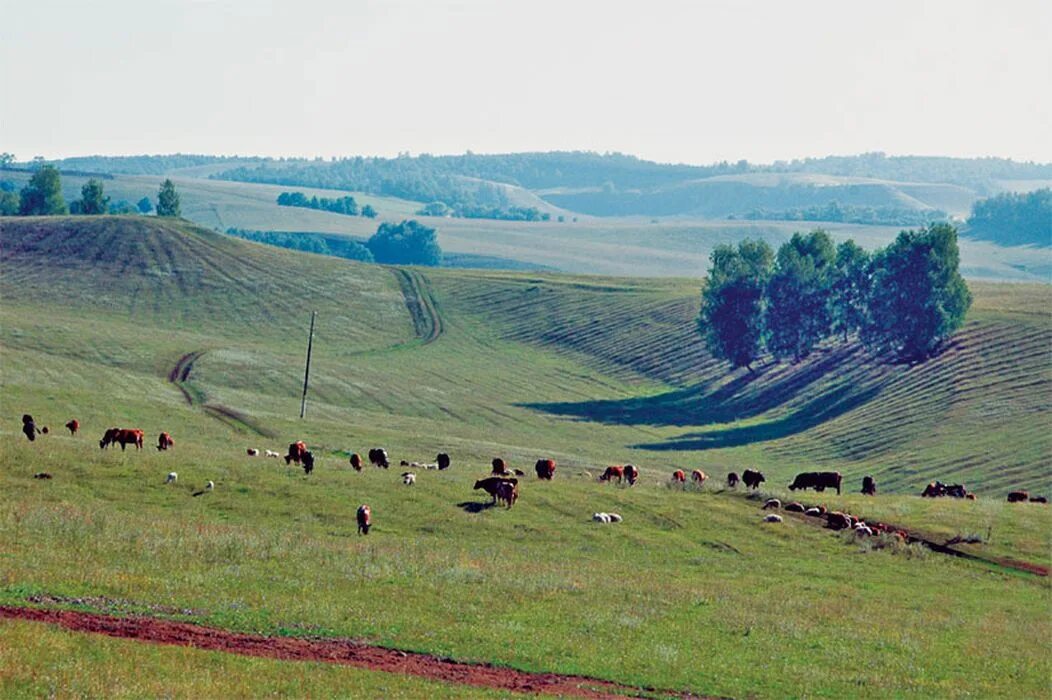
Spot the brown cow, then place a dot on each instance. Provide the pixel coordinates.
(124, 437)
(365, 519)
(356, 462)
(818, 481)
(491, 485)
(1018, 497)
(732, 480)
(612, 473)
(500, 468)
(838, 521)
(545, 469)
(752, 479)
(698, 476)
(73, 426)
(296, 452)
(631, 474)
(164, 442)
(508, 492)
(679, 477)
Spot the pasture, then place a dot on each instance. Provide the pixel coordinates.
(690, 593)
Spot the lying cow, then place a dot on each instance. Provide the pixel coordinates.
(1018, 497)
(819, 481)
(545, 469)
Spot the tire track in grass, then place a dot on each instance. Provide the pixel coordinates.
(180, 374)
(427, 322)
(347, 652)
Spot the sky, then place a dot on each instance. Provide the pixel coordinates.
(691, 82)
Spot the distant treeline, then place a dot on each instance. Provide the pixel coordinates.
(338, 205)
(1014, 219)
(131, 165)
(850, 214)
(320, 243)
(405, 243)
(479, 212)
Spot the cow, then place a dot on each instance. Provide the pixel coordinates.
(752, 479)
(272, 453)
(308, 461)
(29, 427)
(500, 468)
(356, 462)
(772, 503)
(601, 517)
(1018, 497)
(933, 490)
(631, 474)
(508, 492)
(295, 453)
(956, 490)
(794, 507)
(378, 457)
(869, 487)
(122, 436)
(164, 442)
(408, 478)
(545, 469)
(698, 477)
(42, 475)
(970, 496)
(838, 521)
(1038, 499)
(171, 478)
(732, 480)
(819, 481)
(678, 477)
(772, 518)
(442, 460)
(612, 473)
(491, 485)
(365, 519)
(253, 452)
(73, 426)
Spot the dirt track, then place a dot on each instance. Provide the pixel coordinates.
(427, 322)
(337, 651)
(180, 373)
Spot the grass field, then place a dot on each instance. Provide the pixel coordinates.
(691, 592)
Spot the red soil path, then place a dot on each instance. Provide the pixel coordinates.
(338, 651)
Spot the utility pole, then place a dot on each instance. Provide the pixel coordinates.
(306, 372)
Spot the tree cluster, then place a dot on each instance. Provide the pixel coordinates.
(339, 205)
(850, 214)
(903, 300)
(42, 196)
(322, 244)
(406, 243)
(1014, 219)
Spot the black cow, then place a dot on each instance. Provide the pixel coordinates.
(869, 487)
(819, 481)
(752, 479)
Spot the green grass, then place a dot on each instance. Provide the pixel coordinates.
(692, 591)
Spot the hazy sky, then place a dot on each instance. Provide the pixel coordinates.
(671, 81)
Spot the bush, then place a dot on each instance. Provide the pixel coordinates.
(407, 243)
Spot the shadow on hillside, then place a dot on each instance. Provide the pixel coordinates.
(474, 506)
(746, 396)
(807, 416)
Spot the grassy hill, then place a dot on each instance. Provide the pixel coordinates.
(96, 314)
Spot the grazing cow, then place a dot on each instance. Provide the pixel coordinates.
(612, 473)
(631, 474)
(253, 452)
(698, 476)
(408, 478)
(365, 519)
(41, 475)
(123, 437)
(29, 427)
(499, 467)
(295, 453)
(545, 469)
(378, 457)
(772, 518)
(356, 462)
(1018, 497)
(818, 481)
(732, 480)
(442, 460)
(1038, 499)
(794, 507)
(838, 521)
(752, 479)
(73, 426)
(772, 503)
(171, 478)
(869, 487)
(210, 486)
(508, 492)
(678, 477)
(164, 442)
(308, 462)
(491, 485)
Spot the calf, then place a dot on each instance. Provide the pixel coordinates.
(164, 442)
(508, 492)
(732, 480)
(29, 427)
(1038, 499)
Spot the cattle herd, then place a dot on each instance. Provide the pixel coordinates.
(502, 484)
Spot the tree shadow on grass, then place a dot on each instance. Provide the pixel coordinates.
(474, 506)
(808, 416)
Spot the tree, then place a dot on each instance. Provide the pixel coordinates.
(6, 159)
(797, 315)
(168, 200)
(851, 289)
(43, 195)
(732, 302)
(918, 297)
(434, 209)
(144, 205)
(407, 243)
(122, 206)
(92, 201)
(368, 211)
(8, 203)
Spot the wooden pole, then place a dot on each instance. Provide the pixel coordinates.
(306, 372)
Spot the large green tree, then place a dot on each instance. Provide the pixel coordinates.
(851, 289)
(92, 199)
(168, 200)
(407, 243)
(732, 302)
(42, 196)
(798, 293)
(918, 297)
